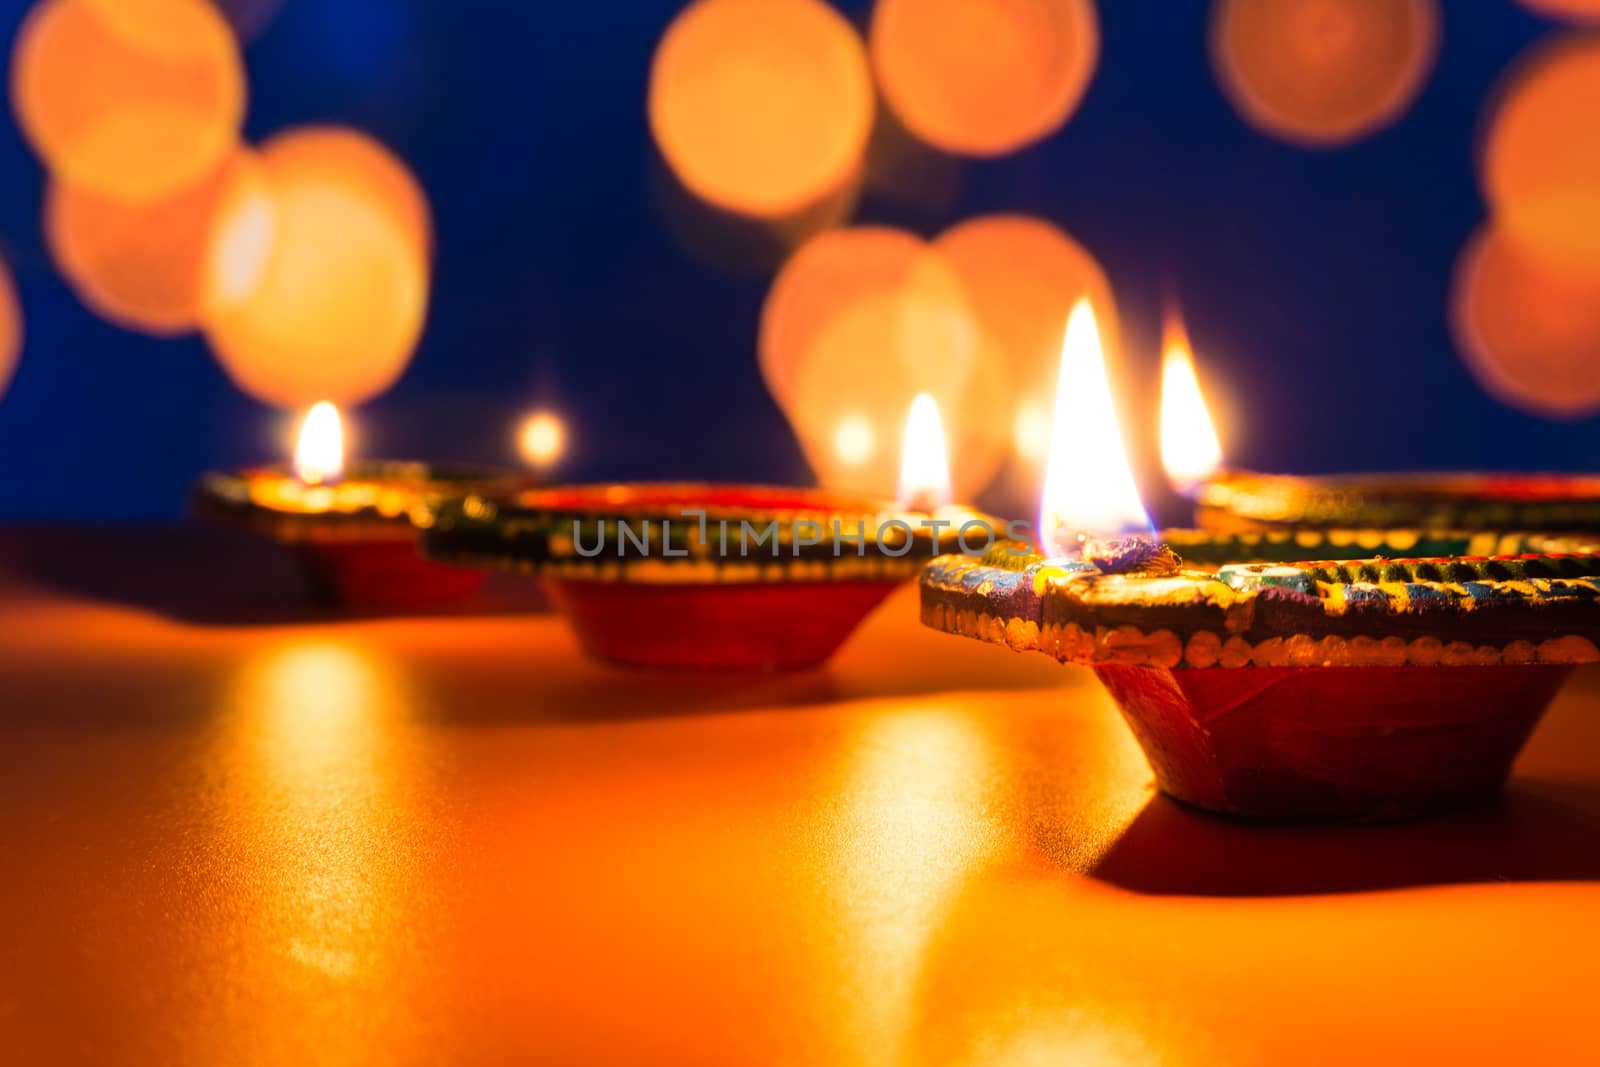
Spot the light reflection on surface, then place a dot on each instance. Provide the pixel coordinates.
(916, 819)
(313, 738)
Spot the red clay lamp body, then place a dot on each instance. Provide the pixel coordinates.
(1243, 500)
(354, 539)
(352, 529)
(702, 576)
(1371, 689)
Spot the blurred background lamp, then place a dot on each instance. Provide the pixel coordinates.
(1529, 334)
(143, 265)
(984, 79)
(854, 441)
(10, 329)
(761, 108)
(1320, 73)
(1021, 276)
(1190, 451)
(1541, 156)
(337, 306)
(1576, 10)
(131, 99)
(542, 439)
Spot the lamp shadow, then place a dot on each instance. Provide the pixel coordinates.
(208, 576)
(1536, 831)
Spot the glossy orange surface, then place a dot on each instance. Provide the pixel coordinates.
(236, 834)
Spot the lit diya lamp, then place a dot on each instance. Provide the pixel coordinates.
(1372, 688)
(1241, 500)
(1364, 503)
(724, 576)
(351, 528)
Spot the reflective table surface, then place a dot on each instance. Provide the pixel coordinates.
(236, 831)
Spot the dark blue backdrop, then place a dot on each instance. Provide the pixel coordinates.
(1314, 282)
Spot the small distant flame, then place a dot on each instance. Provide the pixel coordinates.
(1190, 451)
(543, 438)
(319, 454)
(924, 465)
(1031, 435)
(853, 441)
(1088, 486)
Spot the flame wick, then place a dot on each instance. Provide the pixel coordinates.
(319, 451)
(1190, 451)
(1089, 489)
(924, 463)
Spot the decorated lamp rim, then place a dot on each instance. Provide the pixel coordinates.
(663, 533)
(1528, 607)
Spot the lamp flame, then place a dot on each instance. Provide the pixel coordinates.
(924, 465)
(542, 438)
(1190, 451)
(854, 441)
(319, 453)
(1088, 486)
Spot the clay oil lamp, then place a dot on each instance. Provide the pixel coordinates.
(1344, 515)
(1259, 686)
(350, 527)
(1241, 500)
(716, 576)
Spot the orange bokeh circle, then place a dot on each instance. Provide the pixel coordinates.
(10, 328)
(1541, 154)
(848, 384)
(819, 283)
(857, 324)
(144, 265)
(1022, 275)
(1579, 10)
(1530, 334)
(130, 99)
(984, 79)
(321, 294)
(1323, 72)
(354, 160)
(761, 108)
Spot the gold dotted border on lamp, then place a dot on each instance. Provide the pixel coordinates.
(698, 571)
(1130, 646)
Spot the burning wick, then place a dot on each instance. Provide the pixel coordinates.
(319, 452)
(1089, 492)
(542, 439)
(924, 465)
(1190, 451)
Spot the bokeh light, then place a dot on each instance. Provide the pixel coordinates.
(1022, 276)
(323, 296)
(761, 108)
(1530, 334)
(143, 265)
(984, 79)
(131, 99)
(542, 438)
(1323, 72)
(1576, 10)
(1541, 154)
(829, 273)
(10, 329)
(852, 399)
(854, 440)
(350, 159)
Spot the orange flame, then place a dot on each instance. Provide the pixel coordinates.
(924, 465)
(1088, 485)
(543, 438)
(1190, 451)
(319, 452)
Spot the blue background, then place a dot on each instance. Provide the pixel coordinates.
(1314, 282)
